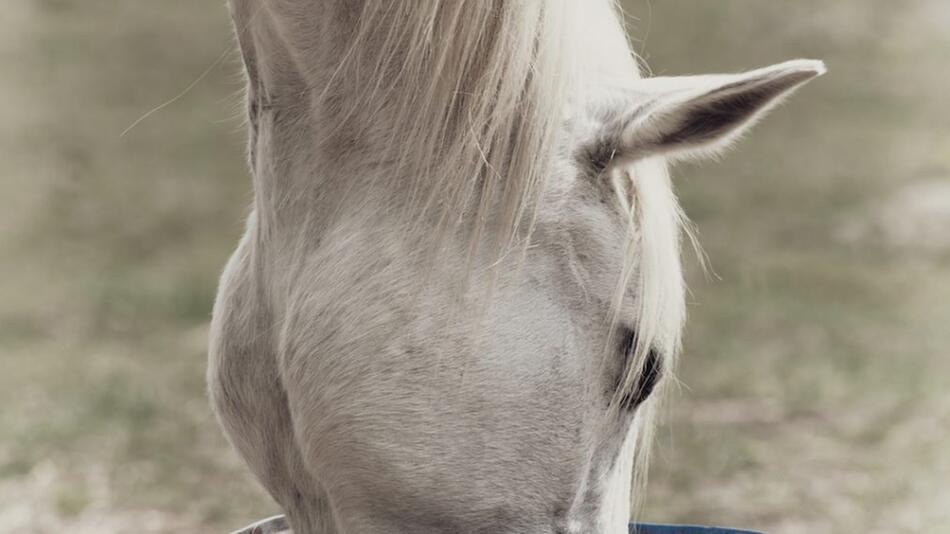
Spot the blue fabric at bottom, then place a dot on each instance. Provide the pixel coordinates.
(657, 528)
(278, 525)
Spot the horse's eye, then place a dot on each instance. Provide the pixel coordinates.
(649, 377)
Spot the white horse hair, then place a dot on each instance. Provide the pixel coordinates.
(460, 282)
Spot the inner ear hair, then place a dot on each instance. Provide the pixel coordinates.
(733, 106)
(696, 115)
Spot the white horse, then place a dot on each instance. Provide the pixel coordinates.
(460, 281)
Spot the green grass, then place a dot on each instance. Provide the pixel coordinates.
(111, 248)
(816, 368)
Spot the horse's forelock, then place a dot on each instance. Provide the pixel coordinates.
(469, 95)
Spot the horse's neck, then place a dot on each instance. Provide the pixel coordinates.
(288, 48)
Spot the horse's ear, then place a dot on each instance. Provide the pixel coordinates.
(687, 116)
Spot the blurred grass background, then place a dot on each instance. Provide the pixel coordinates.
(816, 375)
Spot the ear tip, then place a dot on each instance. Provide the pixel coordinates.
(814, 67)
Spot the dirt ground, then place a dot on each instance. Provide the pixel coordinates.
(816, 377)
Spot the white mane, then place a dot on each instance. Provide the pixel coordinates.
(464, 104)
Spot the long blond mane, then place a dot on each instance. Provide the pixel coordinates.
(474, 92)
